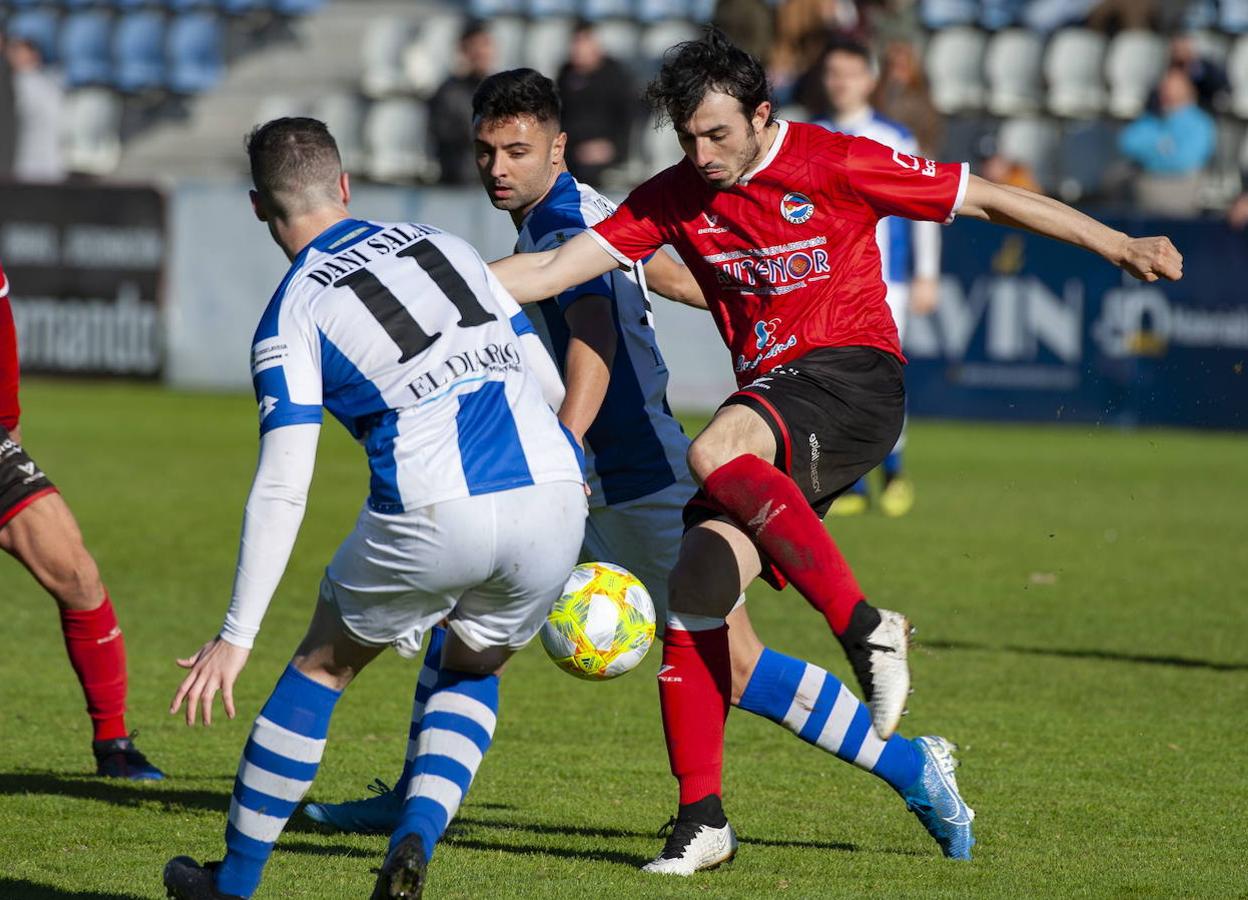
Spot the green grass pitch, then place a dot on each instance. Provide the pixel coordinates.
(1083, 634)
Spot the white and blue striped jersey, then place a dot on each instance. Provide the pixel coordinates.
(402, 332)
(635, 446)
(907, 249)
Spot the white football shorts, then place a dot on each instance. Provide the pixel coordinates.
(643, 536)
(492, 565)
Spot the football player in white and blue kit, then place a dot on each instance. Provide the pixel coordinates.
(475, 512)
(909, 250)
(601, 335)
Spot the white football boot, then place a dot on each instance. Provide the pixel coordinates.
(878, 651)
(692, 846)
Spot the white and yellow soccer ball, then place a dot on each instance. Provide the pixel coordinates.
(603, 624)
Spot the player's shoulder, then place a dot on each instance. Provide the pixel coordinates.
(569, 207)
(815, 133)
(891, 127)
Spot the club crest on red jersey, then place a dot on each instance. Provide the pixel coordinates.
(796, 208)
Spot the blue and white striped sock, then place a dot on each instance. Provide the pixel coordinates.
(277, 768)
(814, 705)
(455, 732)
(424, 687)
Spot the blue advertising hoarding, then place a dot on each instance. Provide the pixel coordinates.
(1033, 330)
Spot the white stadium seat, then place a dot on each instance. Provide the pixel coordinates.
(343, 112)
(428, 59)
(382, 48)
(621, 39)
(1134, 63)
(1013, 64)
(1033, 141)
(396, 134)
(508, 32)
(657, 38)
(955, 69)
(659, 146)
(93, 145)
(278, 106)
(1072, 65)
(1237, 72)
(1213, 45)
(546, 45)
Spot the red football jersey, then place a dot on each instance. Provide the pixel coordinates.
(787, 257)
(9, 410)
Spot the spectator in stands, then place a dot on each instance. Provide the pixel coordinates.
(750, 24)
(39, 98)
(1120, 15)
(1209, 78)
(599, 106)
(8, 115)
(450, 108)
(1003, 170)
(1170, 146)
(803, 29)
(902, 95)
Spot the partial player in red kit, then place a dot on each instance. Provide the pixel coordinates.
(37, 527)
(777, 222)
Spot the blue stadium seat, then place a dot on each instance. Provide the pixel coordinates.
(943, 13)
(196, 58)
(241, 7)
(543, 9)
(660, 10)
(487, 9)
(19, 4)
(134, 4)
(84, 46)
(38, 27)
(997, 14)
(182, 6)
(139, 51)
(1233, 16)
(76, 4)
(1200, 14)
(294, 8)
(607, 9)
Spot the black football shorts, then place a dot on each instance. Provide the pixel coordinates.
(21, 480)
(835, 412)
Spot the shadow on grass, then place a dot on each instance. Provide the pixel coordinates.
(29, 890)
(1180, 662)
(117, 792)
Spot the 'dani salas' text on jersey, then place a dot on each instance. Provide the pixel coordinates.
(787, 257)
(907, 249)
(635, 446)
(404, 335)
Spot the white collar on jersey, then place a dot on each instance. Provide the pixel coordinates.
(771, 154)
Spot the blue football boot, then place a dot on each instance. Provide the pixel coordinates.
(934, 798)
(373, 815)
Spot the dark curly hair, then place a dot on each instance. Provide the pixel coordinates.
(517, 92)
(694, 68)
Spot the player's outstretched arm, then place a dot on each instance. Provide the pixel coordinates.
(673, 280)
(1147, 258)
(587, 367)
(275, 506)
(531, 277)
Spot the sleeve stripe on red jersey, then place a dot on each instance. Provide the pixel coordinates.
(606, 245)
(963, 180)
(4, 285)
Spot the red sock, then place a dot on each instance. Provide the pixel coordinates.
(97, 651)
(770, 506)
(695, 688)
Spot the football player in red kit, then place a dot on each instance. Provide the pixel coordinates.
(777, 220)
(37, 527)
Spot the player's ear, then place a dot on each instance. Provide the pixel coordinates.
(762, 114)
(558, 148)
(256, 206)
(344, 188)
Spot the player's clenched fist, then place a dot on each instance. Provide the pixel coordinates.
(1151, 258)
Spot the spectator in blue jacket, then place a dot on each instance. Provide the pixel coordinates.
(1171, 147)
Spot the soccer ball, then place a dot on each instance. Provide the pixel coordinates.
(603, 624)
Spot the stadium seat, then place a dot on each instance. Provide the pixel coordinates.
(1237, 73)
(241, 7)
(1213, 45)
(937, 14)
(964, 138)
(701, 11)
(657, 38)
(344, 113)
(279, 106)
(660, 10)
(607, 9)
(292, 8)
(1013, 63)
(546, 44)
(508, 32)
(1200, 14)
(1072, 65)
(541, 9)
(196, 58)
(93, 133)
(488, 9)
(659, 146)
(620, 39)
(428, 59)
(1233, 16)
(381, 50)
(997, 14)
(1134, 63)
(1031, 140)
(38, 27)
(139, 51)
(183, 6)
(396, 135)
(84, 46)
(955, 69)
